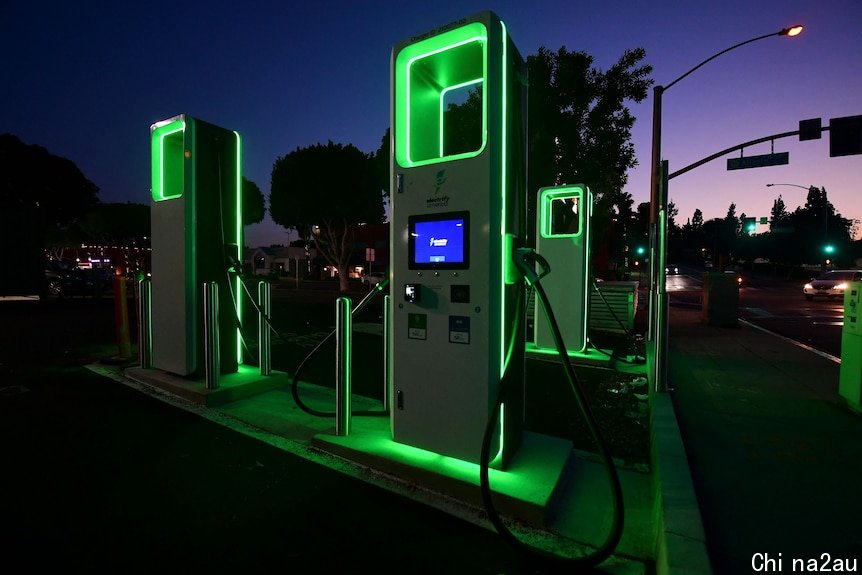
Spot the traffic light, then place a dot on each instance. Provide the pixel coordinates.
(829, 249)
(640, 250)
(749, 225)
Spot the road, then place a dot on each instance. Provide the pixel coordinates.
(775, 304)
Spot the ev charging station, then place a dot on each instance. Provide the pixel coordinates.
(196, 238)
(850, 375)
(458, 203)
(563, 238)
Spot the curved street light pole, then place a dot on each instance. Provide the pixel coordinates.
(658, 312)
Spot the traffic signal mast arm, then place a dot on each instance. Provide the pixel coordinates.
(742, 146)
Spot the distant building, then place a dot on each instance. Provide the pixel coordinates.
(282, 261)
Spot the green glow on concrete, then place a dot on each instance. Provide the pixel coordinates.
(444, 465)
(443, 106)
(423, 71)
(239, 242)
(168, 155)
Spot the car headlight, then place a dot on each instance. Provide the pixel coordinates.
(808, 286)
(842, 286)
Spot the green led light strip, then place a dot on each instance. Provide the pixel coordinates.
(428, 94)
(161, 131)
(504, 255)
(504, 260)
(239, 243)
(548, 196)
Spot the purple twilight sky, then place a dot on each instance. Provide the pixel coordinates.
(87, 79)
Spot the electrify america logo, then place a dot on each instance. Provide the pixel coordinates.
(438, 201)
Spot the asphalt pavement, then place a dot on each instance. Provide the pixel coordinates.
(774, 453)
(100, 476)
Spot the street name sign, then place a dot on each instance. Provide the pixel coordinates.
(762, 161)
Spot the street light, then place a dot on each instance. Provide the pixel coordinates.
(827, 248)
(658, 202)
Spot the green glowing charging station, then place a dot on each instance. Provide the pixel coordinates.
(850, 375)
(563, 238)
(458, 192)
(196, 234)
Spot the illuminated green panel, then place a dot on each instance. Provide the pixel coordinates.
(427, 73)
(239, 242)
(168, 154)
(563, 212)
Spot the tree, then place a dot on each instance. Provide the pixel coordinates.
(40, 194)
(814, 226)
(580, 128)
(302, 197)
(778, 214)
(31, 176)
(381, 163)
(253, 208)
(672, 213)
(697, 219)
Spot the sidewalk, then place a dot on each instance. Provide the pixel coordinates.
(775, 457)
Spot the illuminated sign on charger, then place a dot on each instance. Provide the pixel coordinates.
(438, 242)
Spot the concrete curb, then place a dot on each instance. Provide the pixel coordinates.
(680, 537)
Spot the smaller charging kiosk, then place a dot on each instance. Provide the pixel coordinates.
(563, 238)
(196, 237)
(850, 378)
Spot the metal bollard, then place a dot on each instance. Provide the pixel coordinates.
(145, 333)
(264, 341)
(386, 335)
(343, 354)
(212, 364)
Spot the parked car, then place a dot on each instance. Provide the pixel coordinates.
(373, 278)
(65, 279)
(830, 284)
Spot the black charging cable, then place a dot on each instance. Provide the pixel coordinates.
(526, 260)
(294, 387)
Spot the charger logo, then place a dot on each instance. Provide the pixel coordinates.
(438, 242)
(438, 201)
(441, 179)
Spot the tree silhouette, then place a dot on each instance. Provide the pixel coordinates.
(305, 195)
(253, 208)
(580, 130)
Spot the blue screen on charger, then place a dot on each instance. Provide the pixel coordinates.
(439, 241)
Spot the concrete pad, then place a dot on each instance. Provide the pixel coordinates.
(245, 382)
(524, 491)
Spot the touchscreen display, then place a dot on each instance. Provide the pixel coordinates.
(439, 241)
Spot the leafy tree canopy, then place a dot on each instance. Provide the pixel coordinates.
(30, 175)
(253, 208)
(331, 186)
(580, 132)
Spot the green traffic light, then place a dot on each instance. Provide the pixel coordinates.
(829, 248)
(641, 250)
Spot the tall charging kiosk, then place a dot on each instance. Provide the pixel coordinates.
(563, 238)
(196, 238)
(458, 192)
(850, 375)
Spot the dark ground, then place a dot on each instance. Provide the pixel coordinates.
(100, 477)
